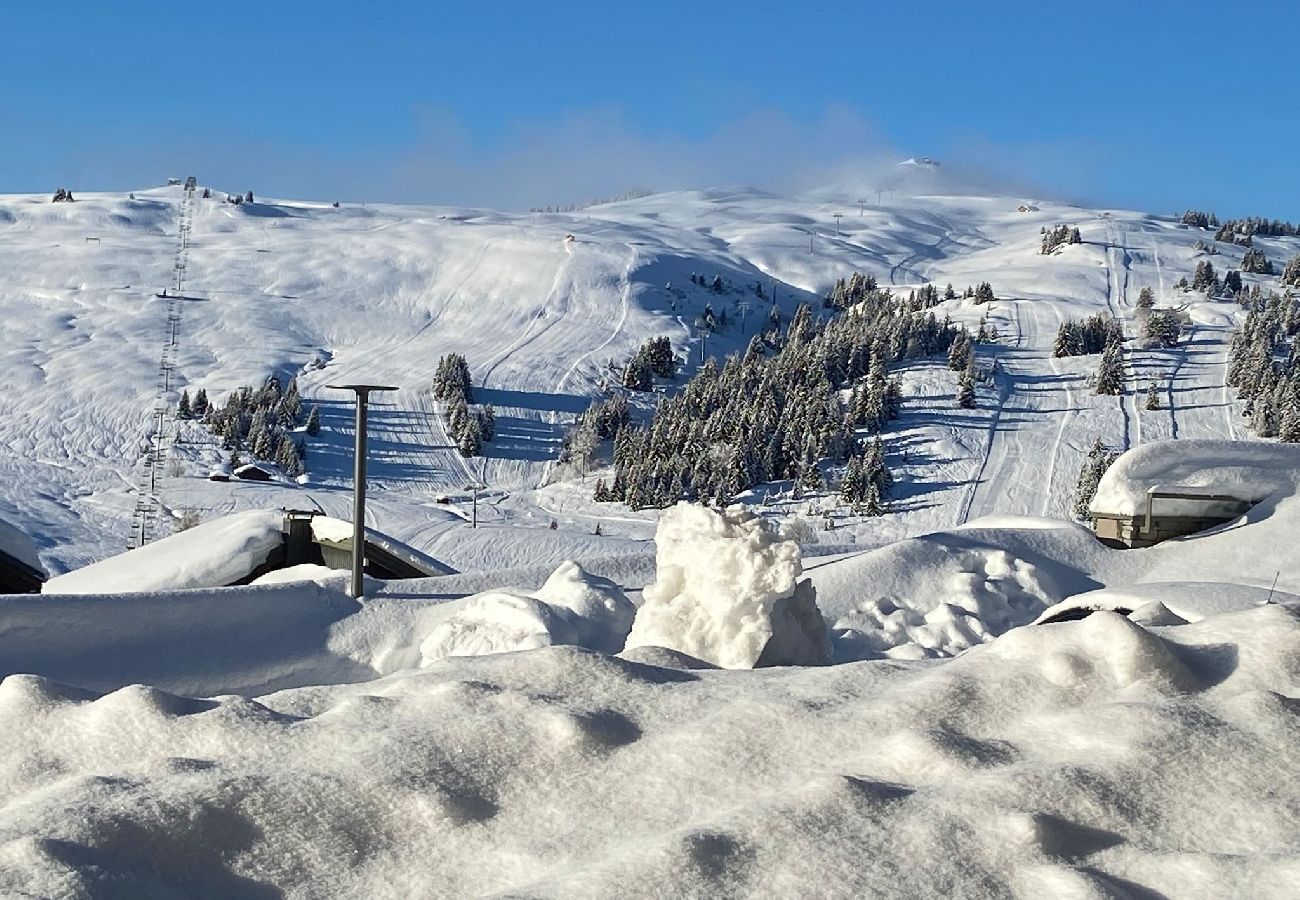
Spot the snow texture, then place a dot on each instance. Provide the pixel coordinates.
(1087, 759)
(727, 591)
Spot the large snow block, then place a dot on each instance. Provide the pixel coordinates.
(573, 607)
(727, 591)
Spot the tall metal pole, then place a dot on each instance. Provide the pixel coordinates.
(362, 392)
(359, 497)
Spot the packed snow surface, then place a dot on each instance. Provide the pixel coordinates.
(727, 590)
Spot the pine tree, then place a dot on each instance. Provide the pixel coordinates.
(183, 410)
(1094, 466)
(1146, 298)
(488, 422)
(1153, 396)
(1110, 373)
(313, 421)
(470, 439)
(965, 391)
(200, 404)
(853, 483)
(871, 504)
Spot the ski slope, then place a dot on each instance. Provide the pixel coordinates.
(378, 293)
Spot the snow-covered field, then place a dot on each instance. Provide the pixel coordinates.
(378, 293)
(480, 733)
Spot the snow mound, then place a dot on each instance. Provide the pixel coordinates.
(303, 572)
(212, 554)
(572, 607)
(1247, 470)
(943, 593)
(1188, 601)
(727, 591)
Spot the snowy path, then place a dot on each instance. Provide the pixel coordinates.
(1019, 475)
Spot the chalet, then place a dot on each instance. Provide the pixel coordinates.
(253, 472)
(1170, 511)
(242, 547)
(20, 567)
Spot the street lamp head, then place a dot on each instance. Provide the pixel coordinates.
(360, 388)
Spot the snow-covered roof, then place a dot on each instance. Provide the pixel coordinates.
(19, 546)
(329, 530)
(212, 554)
(1246, 470)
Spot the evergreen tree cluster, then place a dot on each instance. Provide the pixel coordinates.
(857, 288)
(1240, 231)
(715, 285)
(861, 288)
(257, 421)
(470, 428)
(1198, 219)
(1255, 262)
(63, 195)
(653, 358)
(1099, 459)
(1264, 366)
(866, 481)
(1091, 335)
(761, 417)
(602, 421)
(1162, 328)
(1146, 298)
(1205, 278)
(1291, 274)
(451, 380)
(1059, 237)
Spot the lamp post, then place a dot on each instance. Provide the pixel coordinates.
(363, 392)
(837, 218)
(475, 486)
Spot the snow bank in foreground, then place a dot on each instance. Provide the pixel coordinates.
(1249, 470)
(1086, 759)
(573, 607)
(213, 554)
(727, 591)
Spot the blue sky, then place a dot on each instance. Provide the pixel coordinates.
(1153, 105)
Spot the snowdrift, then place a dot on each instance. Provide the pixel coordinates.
(1089, 759)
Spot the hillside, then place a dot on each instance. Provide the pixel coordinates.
(378, 293)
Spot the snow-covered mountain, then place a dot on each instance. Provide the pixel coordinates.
(378, 293)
